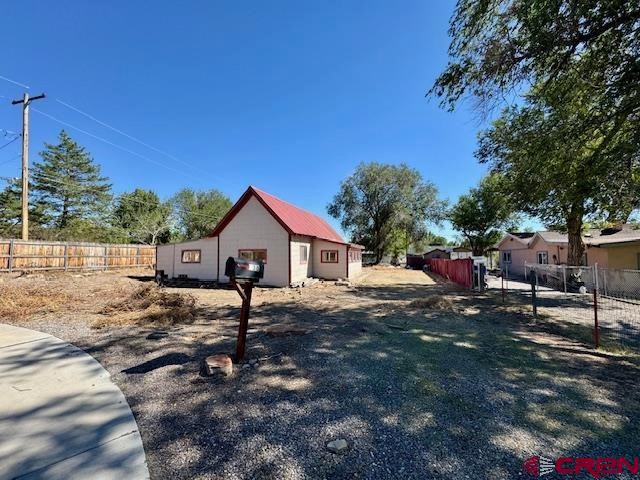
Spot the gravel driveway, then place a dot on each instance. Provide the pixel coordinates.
(469, 391)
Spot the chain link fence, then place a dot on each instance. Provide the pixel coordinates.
(590, 304)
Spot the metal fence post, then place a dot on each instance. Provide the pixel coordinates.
(595, 276)
(533, 294)
(10, 256)
(106, 257)
(596, 330)
(564, 278)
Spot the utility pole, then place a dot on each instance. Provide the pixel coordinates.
(26, 100)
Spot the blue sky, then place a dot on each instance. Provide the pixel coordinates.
(288, 96)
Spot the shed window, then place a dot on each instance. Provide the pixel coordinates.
(355, 255)
(304, 253)
(190, 256)
(253, 254)
(329, 256)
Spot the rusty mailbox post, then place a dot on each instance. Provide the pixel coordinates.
(243, 274)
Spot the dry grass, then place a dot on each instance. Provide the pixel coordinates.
(434, 302)
(149, 304)
(20, 302)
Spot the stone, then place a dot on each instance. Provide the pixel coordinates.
(285, 331)
(219, 364)
(343, 283)
(337, 446)
(253, 361)
(245, 366)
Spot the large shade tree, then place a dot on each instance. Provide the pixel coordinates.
(378, 200)
(143, 217)
(197, 213)
(568, 144)
(483, 214)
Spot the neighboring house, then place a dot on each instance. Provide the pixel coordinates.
(617, 248)
(293, 243)
(453, 253)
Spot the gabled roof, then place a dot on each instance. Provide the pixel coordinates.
(523, 238)
(294, 220)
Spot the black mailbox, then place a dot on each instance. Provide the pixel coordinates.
(243, 269)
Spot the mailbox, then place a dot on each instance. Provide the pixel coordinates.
(243, 269)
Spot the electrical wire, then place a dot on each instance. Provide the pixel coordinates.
(9, 142)
(130, 137)
(120, 147)
(15, 83)
(113, 202)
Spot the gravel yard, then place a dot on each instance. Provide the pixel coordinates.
(417, 386)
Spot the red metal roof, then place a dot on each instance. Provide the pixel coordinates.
(293, 219)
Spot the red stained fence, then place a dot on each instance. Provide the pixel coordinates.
(458, 271)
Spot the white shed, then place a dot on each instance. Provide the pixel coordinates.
(294, 245)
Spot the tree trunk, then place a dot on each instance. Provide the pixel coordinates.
(574, 229)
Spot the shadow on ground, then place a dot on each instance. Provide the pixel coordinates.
(469, 392)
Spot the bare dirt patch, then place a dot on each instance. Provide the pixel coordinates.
(418, 391)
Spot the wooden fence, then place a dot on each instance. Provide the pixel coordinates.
(21, 255)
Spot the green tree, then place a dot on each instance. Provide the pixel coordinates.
(569, 147)
(197, 213)
(498, 47)
(143, 217)
(483, 214)
(11, 211)
(378, 200)
(561, 173)
(68, 184)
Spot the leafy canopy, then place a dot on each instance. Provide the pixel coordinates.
(143, 217)
(197, 213)
(483, 214)
(378, 200)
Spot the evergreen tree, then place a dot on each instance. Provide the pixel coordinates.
(68, 184)
(11, 211)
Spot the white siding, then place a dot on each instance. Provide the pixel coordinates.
(164, 259)
(300, 271)
(329, 271)
(170, 259)
(355, 267)
(254, 227)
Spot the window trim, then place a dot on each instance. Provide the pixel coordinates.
(182, 252)
(503, 256)
(240, 250)
(539, 253)
(304, 261)
(322, 260)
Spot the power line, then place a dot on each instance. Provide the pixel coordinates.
(15, 82)
(113, 202)
(120, 147)
(121, 132)
(10, 159)
(130, 137)
(9, 142)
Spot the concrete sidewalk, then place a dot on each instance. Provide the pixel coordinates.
(61, 416)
